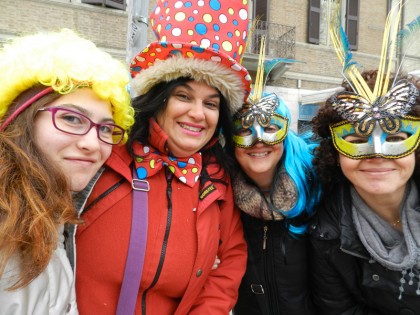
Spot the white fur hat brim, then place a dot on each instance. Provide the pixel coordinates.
(228, 83)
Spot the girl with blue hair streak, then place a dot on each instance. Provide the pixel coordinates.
(276, 191)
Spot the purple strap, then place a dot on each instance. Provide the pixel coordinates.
(136, 249)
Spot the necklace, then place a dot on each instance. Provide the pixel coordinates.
(395, 223)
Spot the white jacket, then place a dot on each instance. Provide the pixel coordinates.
(51, 293)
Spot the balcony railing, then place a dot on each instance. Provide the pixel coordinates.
(280, 40)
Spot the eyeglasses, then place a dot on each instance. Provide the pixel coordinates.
(75, 123)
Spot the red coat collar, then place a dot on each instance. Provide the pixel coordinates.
(120, 161)
(158, 138)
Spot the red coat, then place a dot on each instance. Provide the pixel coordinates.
(201, 228)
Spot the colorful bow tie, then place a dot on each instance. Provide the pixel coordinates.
(149, 161)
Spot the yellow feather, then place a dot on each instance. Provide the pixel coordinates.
(388, 49)
(351, 73)
(259, 78)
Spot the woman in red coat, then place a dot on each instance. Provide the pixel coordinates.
(184, 105)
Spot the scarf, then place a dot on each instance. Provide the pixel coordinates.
(251, 200)
(150, 161)
(392, 249)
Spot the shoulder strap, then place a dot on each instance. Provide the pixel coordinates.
(136, 249)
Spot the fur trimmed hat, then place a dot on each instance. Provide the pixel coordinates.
(201, 40)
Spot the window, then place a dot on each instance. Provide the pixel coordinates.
(314, 21)
(261, 10)
(116, 4)
(318, 21)
(352, 23)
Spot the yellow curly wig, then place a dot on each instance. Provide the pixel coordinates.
(64, 61)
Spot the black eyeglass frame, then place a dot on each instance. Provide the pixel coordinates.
(54, 110)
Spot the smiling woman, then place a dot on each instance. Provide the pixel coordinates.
(79, 155)
(185, 95)
(366, 235)
(365, 238)
(62, 107)
(190, 118)
(276, 190)
(368, 224)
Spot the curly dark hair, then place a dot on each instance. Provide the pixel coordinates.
(153, 102)
(326, 156)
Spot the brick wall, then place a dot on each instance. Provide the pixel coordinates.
(104, 26)
(317, 67)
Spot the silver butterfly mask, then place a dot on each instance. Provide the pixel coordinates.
(261, 110)
(386, 110)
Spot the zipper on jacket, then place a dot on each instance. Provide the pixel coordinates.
(103, 195)
(269, 274)
(165, 239)
(265, 237)
(283, 248)
(353, 253)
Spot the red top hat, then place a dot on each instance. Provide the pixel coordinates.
(207, 30)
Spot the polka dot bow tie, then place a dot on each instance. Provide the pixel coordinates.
(149, 161)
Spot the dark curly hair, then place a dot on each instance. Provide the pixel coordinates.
(326, 156)
(149, 105)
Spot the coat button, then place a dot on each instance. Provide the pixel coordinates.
(199, 272)
(375, 278)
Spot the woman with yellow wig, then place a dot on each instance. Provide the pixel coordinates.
(63, 105)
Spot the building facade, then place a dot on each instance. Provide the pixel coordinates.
(296, 31)
(105, 26)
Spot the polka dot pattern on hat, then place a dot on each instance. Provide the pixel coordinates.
(214, 30)
(220, 25)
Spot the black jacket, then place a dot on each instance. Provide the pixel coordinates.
(276, 280)
(344, 277)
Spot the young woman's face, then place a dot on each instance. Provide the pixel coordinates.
(378, 177)
(190, 118)
(78, 156)
(260, 161)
